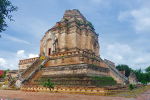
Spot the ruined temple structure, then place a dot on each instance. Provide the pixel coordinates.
(69, 55)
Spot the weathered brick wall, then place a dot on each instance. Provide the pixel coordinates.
(23, 64)
(71, 34)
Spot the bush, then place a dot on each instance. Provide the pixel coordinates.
(131, 86)
(48, 84)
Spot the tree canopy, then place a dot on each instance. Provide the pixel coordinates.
(6, 8)
(143, 77)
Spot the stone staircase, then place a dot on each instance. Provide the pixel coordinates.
(116, 74)
(29, 74)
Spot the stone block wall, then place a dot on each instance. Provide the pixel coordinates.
(24, 64)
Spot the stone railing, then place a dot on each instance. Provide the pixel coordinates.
(36, 70)
(25, 61)
(117, 74)
(30, 68)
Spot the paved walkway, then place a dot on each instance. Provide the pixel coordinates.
(20, 95)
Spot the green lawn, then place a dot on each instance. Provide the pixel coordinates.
(133, 93)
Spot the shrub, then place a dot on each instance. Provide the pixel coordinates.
(131, 86)
(48, 84)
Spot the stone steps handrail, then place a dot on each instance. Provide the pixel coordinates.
(35, 70)
(30, 66)
(117, 73)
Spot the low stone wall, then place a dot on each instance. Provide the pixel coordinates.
(76, 90)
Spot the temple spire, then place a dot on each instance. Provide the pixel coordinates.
(73, 13)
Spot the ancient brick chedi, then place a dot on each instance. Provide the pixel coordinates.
(69, 55)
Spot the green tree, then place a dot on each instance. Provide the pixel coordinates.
(142, 77)
(147, 69)
(124, 68)
(6, 8)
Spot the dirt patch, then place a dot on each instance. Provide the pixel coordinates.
(21, 95)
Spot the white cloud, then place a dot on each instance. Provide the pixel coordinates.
(143, 59)
(7, 64)
(21, 54)
(126, 54)
(140, 18)
(33, 55)
(11, 61)
(117, 52)
(2, 63)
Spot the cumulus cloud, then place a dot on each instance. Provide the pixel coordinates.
(140, 18)
(126, 54)
(2, 63)
(9, 63)
(21, 54)
(117, 52)
(143, 59)
(33, 55)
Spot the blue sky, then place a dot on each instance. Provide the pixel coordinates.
(123, 27)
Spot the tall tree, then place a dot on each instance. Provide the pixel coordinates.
(6, 8)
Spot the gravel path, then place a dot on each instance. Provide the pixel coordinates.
(21, 95)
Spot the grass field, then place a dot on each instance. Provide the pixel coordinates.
(133, 93)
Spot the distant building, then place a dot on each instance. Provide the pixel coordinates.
(132, 78)
(12, 73)
(123, 72)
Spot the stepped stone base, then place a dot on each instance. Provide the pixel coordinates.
(73, 75)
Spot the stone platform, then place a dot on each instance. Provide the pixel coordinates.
(73, 75)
